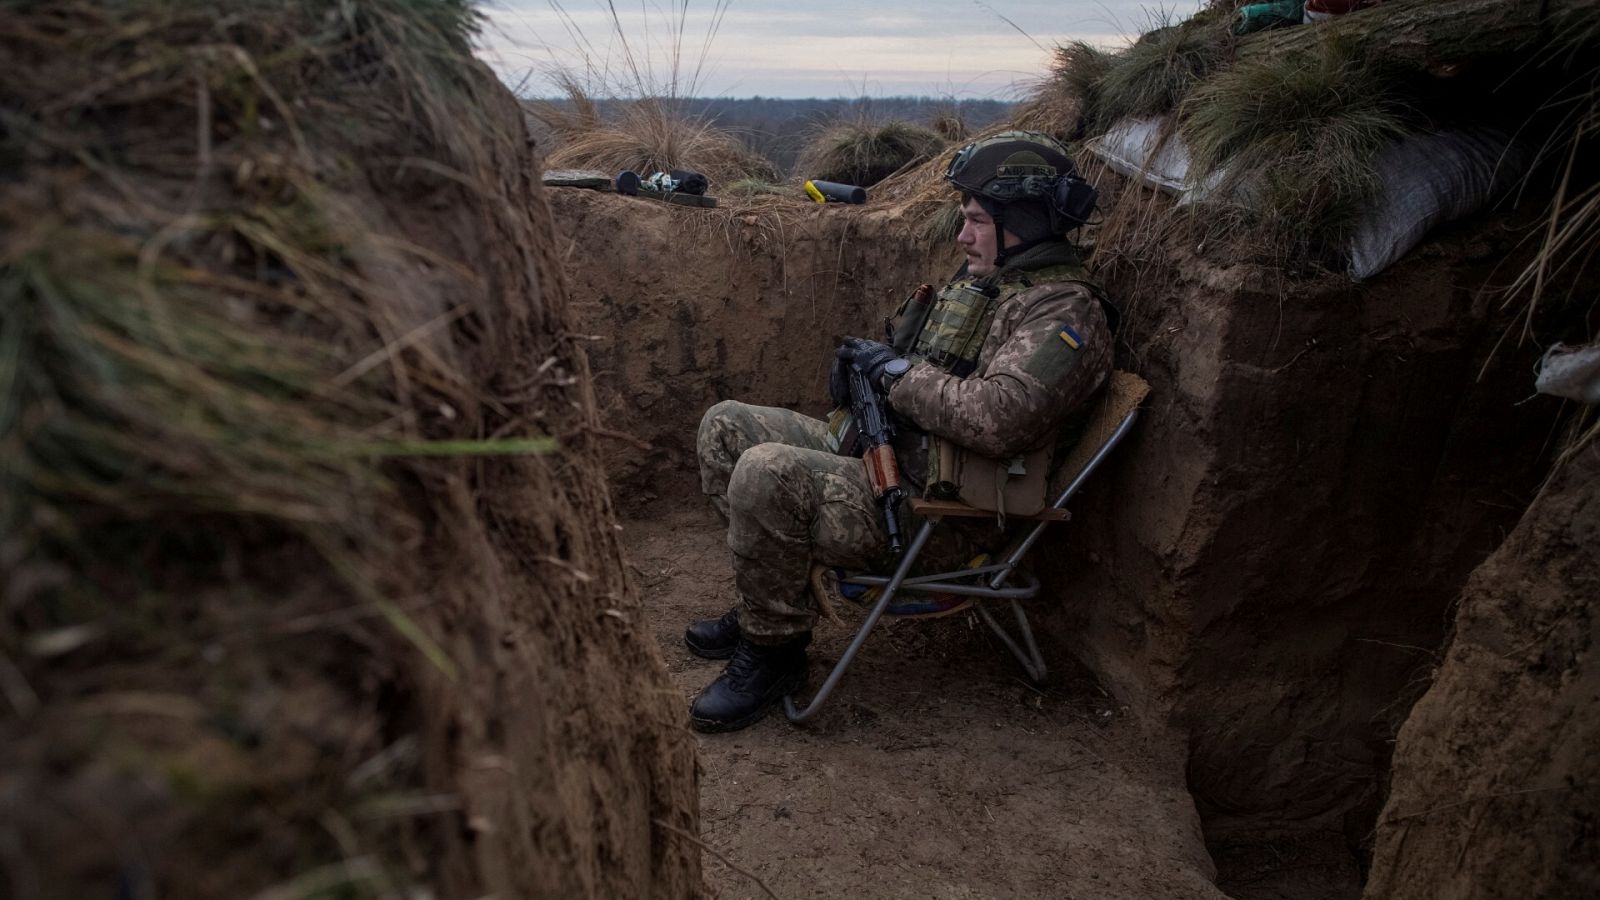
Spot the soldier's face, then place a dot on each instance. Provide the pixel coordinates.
(977, 238)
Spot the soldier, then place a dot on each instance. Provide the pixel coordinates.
(994, 365)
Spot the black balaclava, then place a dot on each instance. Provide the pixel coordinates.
(1028, 219)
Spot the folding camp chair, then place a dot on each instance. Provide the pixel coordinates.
(1112, 418)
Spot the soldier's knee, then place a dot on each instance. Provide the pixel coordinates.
(763, 472)
(713, 420)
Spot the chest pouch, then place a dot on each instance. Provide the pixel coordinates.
(956, 325)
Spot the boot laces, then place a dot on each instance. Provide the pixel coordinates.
(743, 666)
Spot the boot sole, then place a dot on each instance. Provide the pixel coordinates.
(712, 726)
(708, 652)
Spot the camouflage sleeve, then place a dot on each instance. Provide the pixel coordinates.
(1057, 355)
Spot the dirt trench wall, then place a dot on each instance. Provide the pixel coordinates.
(230, 708)
(563, 736)
(1496, 782)
(1278, 547)
(689, 307)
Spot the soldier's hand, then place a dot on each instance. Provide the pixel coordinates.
(869, 356)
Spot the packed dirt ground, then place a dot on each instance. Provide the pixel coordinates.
(937, 770)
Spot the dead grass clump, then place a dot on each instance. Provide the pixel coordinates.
(644, 135)
(1293, 142)
(1570, 235)
(1090, 89)
(1572, 224)
(189, 318)
(951, 125)
(865, 153)
(920, 192)
(1067, 103)
(210, 385)
(1155, 74)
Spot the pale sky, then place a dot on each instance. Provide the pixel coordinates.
(964, 49)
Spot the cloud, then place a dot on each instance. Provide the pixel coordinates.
(828, 47)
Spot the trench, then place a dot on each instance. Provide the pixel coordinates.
(1262, 578)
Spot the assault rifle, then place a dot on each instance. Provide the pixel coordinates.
(877, 434)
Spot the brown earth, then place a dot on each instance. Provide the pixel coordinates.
(1321, 468)
(1496, 785)
(937, 770)
(687, 308)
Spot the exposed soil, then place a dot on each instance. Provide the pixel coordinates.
(1496, 781)
(937, 771)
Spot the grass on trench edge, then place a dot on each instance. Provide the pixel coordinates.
(161, 366)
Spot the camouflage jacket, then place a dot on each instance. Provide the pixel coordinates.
(1048, 348)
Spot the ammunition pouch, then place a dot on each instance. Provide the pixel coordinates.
(953, 330)
(1015, 486)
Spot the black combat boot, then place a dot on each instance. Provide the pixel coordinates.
(757, 677)
(714, 638)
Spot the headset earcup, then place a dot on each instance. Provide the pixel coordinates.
(1074, 201)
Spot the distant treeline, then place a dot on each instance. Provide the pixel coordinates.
(778, 128)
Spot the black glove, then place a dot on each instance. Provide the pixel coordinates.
(868, 356)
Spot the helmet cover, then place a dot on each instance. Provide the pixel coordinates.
(1011, 166)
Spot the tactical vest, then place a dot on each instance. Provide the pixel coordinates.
(948, 331)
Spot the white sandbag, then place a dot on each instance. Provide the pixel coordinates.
(1571, 372)
(1425, 181)
(1135, 148)
(1140, 148)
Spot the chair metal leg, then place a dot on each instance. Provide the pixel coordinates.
(1028, 652)
(796, 714)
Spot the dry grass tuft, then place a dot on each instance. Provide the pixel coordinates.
(864, 153)
(950, 125)
(645, 135)
(189, 351)
(1066, 102)
(220, 400)
(1297, 141)
(1090, 89)
(1571, 231)
(1157, 72)
(1570, 236)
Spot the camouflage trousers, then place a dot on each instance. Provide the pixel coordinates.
(790, 503)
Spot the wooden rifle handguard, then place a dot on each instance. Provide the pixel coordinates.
(882, 471)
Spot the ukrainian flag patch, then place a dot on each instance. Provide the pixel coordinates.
(1070, 338)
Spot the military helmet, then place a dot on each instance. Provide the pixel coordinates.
(1010, 166)
(1018, 166)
